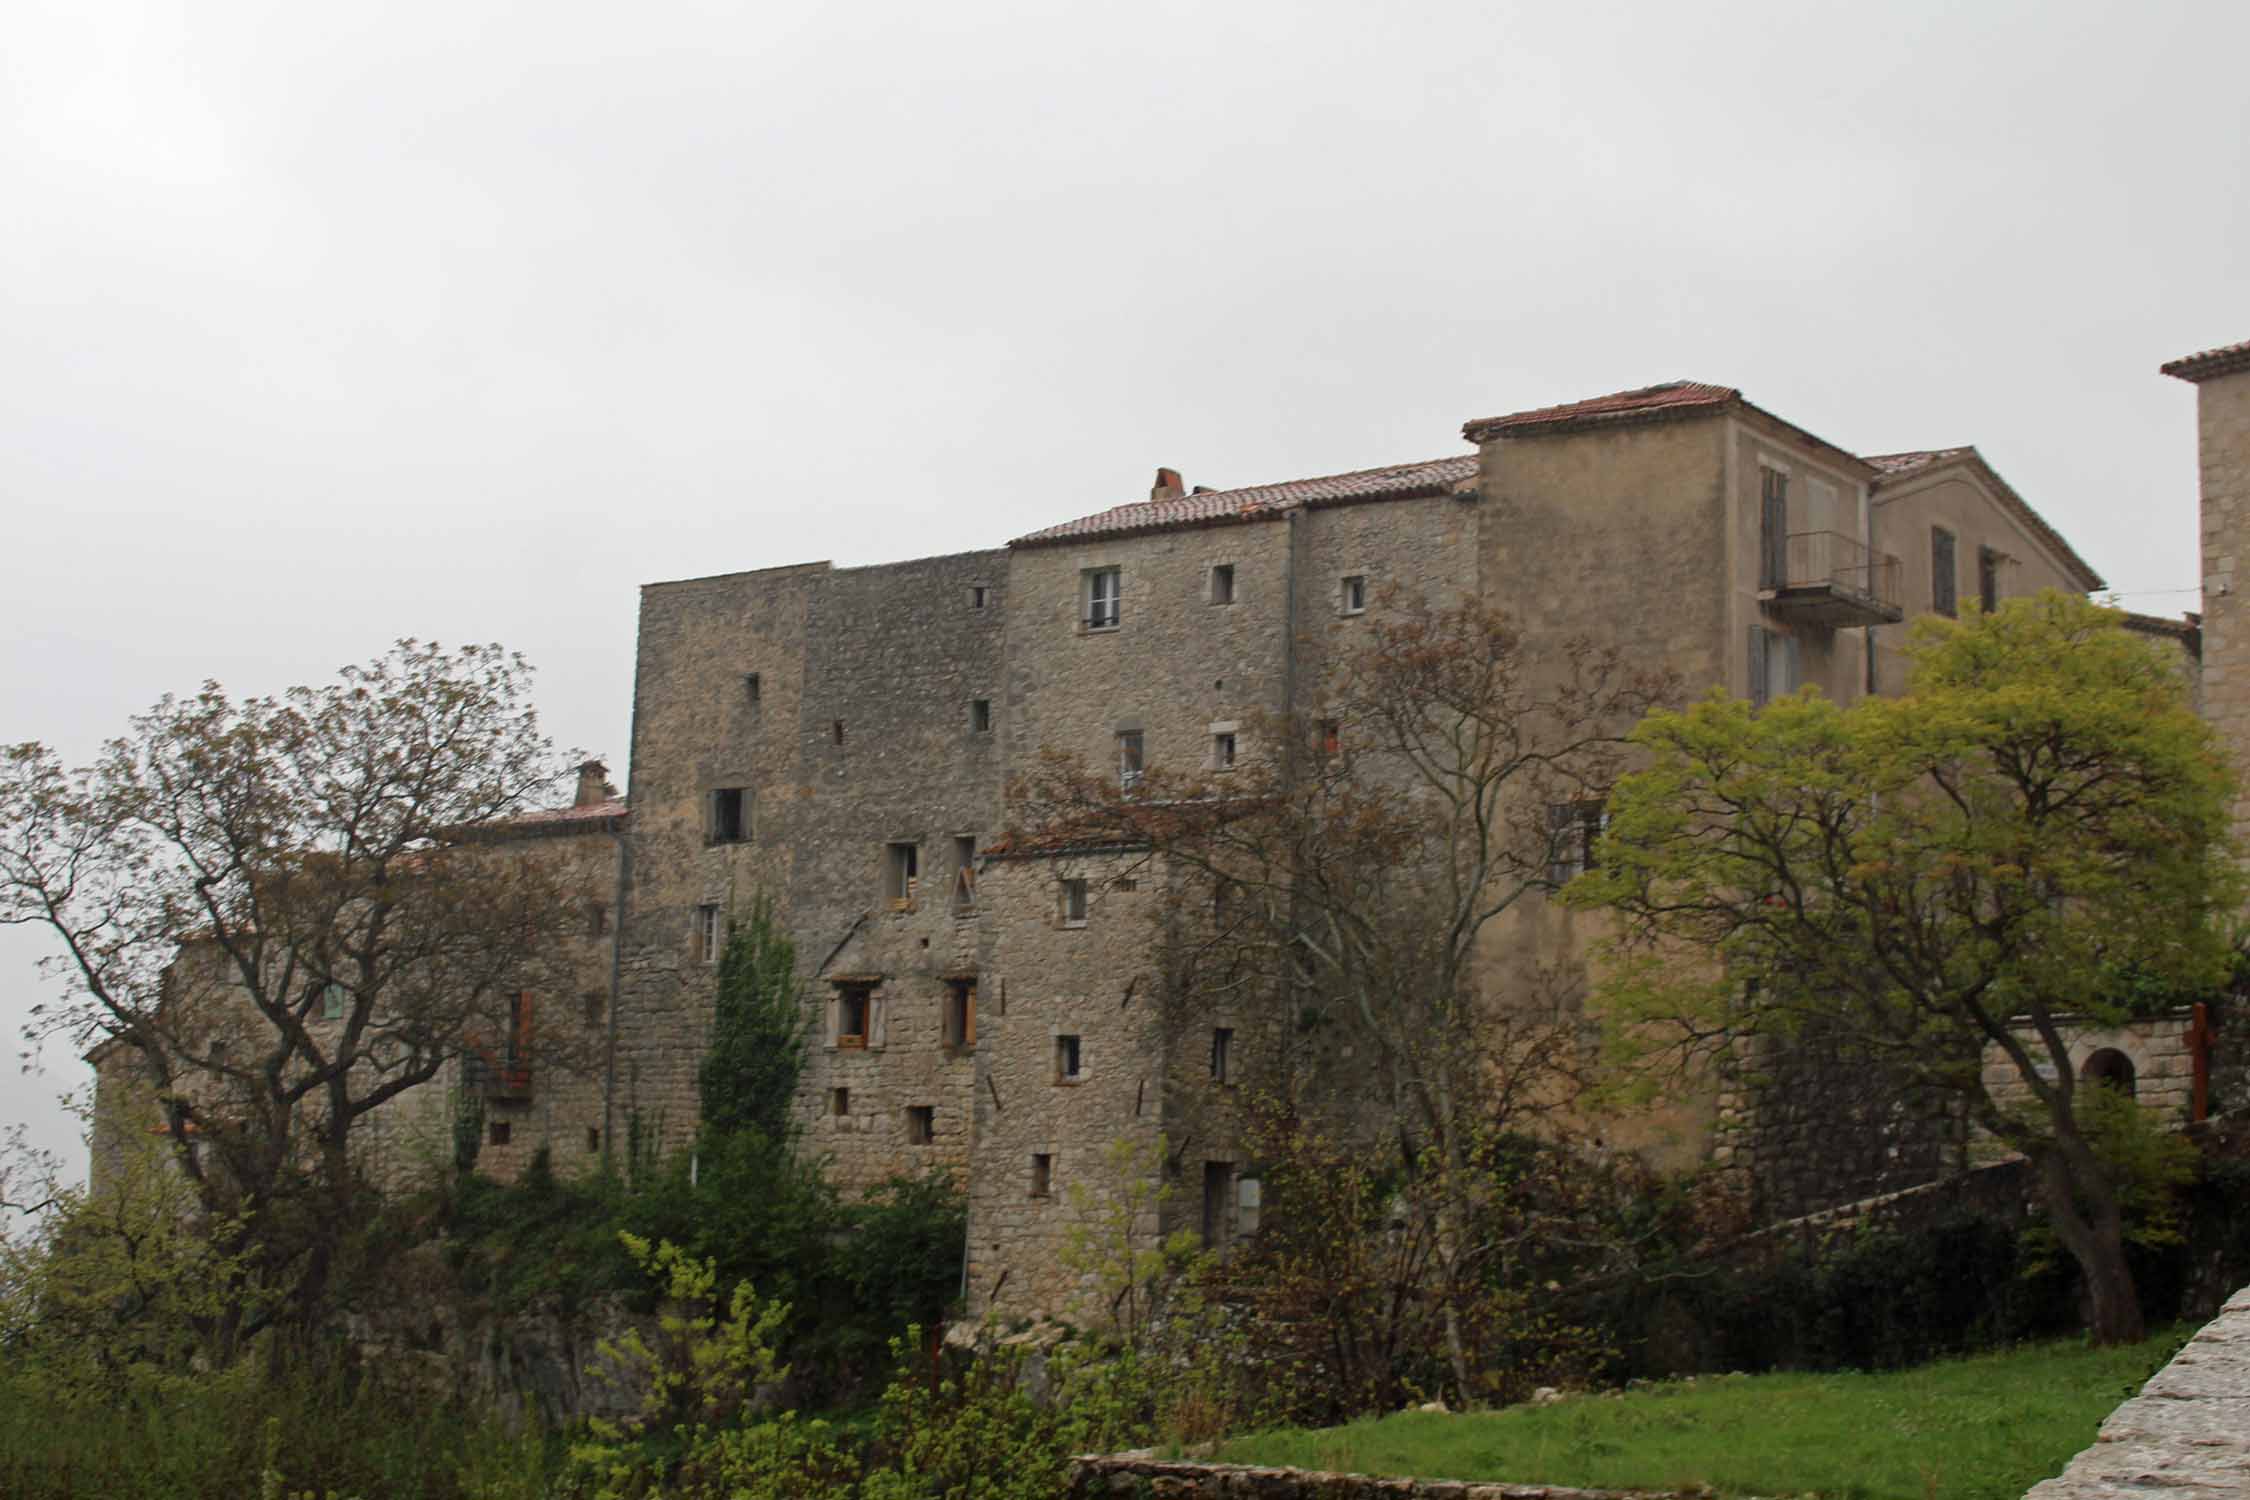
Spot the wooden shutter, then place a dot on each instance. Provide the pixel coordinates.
(1944, 577)
(1773, 531)
(1757, 666)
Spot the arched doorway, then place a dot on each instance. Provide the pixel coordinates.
(2111, 1069)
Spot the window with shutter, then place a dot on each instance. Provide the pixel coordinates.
(1773, 529)
(1944, 596)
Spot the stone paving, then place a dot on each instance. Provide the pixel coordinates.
(2186, 1436)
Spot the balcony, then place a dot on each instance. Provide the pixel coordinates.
(508, 1077)
(1829, 579)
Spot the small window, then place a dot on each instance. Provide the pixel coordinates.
(593, 1139)
(902, 875)
(499, 1131)
(1988, 579)
(1352, 594)
(596, 1004)
(1222, 1048)
(597, 919)
(1222, 583)
(1127, 884)
(979, 595)
(1074, 903)
(1943, 584)
(1129, 763)
(730, 815)
(334, 1000)
(1042, 1175)
(1222, 751)
(1573, 829)
(707, 933)
(1102, 590)
(921, 1124)
(964, 874)
(839, 1102)
(853, 1003)
(750, 688)
(960, 1020)
(980, 716)
(1070, 1060)
(1774, 666)
(836, 731)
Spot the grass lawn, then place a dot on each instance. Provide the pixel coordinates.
(1982, 1428)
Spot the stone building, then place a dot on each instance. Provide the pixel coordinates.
(841, 741)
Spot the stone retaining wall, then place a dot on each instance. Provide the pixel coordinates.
(2186, 1436)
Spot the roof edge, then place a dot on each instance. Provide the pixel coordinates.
(2209, 364)
(2042, 531)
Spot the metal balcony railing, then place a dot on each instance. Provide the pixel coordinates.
(1831, 579)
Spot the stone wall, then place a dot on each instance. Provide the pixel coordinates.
(2223, 434)
(1138, 1477)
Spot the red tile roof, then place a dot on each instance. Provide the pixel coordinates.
(1263, 502)
(1651, 403)
(592, 812)
(1897, 467)
(2210, 363)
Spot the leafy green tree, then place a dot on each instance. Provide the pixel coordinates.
(1972, 866)
(748, 1078)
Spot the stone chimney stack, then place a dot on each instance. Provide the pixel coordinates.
(1168, 485)
(593, 784)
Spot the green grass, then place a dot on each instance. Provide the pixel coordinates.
(1983, 1428)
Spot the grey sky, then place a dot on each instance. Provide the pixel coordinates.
(326, 325)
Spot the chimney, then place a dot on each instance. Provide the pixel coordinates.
(1167, 486)
(593, 784)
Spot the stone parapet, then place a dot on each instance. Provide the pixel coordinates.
(2186, 1436)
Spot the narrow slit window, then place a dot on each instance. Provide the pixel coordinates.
(1070, 1059)
(978, 594)
(1222, 751)
(1222, 1054)
(707, 933)
(593, 1139)
(1352, 595)
(1074, 903)
(980, 716)
(750, 688)
(1222, 583)
(1988, 579)
(1042, 1175)
(1944, 585)
(836, 731)
(839, 1102)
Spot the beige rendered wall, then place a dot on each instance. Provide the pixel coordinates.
(1954, 497)
(1827, 492)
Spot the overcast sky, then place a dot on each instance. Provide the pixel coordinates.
(329, 324)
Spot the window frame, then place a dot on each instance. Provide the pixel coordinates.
(1042, 1174)
(921, 1124)
(1070, 1058)
(1945, 573)
(847, 995)
(1077, 901)
(1101, 599)
(1222, 1048)
(980, 716)
(1573, 829)
(1132, 757)
(1219, 585)
(707, 933)
(1351, 594)
(957, 1020)
(902, 873)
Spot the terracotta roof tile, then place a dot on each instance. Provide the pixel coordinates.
(592, 812)
(1893, 464)
(1263, 501)
(1651, 403)
(2210, 363)
(1894, 468)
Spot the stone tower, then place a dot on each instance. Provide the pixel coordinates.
(2222, 381)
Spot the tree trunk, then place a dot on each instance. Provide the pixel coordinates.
(2096, 1240)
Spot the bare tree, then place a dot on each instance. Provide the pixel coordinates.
(291, 911)
(1351, 866)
